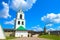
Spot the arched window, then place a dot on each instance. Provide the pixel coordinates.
(22, 22)
(18, 22)
(20, 16)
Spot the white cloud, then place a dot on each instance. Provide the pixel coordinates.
(4, 13)
(58, 28)
(37, 28)
(34, 27)
(51, 29)
(25, 5)
(54, 18)
(10, 22)
(49, 25)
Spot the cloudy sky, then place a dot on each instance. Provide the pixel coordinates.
(38, 13)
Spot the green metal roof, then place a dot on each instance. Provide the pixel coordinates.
(20, 28)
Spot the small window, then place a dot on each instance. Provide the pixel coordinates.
(20, 16)
(18, 22)
(22, 22)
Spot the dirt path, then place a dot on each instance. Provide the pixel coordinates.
(30, 38)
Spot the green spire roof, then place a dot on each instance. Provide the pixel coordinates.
(21, 28)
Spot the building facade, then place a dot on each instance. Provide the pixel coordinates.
(20, 25)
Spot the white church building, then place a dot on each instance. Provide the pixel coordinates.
(20, 25)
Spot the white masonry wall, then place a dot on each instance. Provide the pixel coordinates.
(21, 34)
(18, 19)
(20, 23)
(18, 15)
(2, 35)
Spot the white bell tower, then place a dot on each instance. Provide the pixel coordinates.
(20, 25)
(20, 21)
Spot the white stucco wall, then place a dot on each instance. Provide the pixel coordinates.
(21, 34)
(18, 19)
(2, 35)
(18, 15)
(20, 23)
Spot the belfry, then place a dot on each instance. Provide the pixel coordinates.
(20, 25)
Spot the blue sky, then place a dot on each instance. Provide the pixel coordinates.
(41, 13)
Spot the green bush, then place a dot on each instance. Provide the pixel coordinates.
(53, 37)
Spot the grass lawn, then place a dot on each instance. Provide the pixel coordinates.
(9, 38)
(53, 37)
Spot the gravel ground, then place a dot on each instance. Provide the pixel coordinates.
(30, 38)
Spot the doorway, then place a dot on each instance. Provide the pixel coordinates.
(21, 35)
